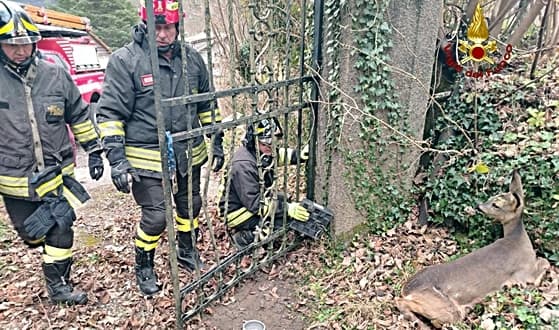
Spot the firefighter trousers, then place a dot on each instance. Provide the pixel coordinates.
(148, 193)
(19, 210)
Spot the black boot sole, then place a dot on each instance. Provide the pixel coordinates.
(148, 294)
(81, 301)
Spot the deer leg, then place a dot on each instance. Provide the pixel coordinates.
(531, 273)
(433, 305)
(542, 265)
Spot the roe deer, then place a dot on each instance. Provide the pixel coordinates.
(442, 293)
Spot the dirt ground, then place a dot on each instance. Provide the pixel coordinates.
(103, 267)
(270, 301)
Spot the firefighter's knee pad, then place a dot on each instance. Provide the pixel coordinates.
(153, 221)
(59, 237)
(182, 208)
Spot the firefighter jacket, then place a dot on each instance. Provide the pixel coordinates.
(127, 110)
(244, 198)
(244, 201)
(34, 111)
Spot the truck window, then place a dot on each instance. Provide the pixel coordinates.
(85, 57)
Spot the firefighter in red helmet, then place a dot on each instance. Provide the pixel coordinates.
(37, 100)
(127, 121)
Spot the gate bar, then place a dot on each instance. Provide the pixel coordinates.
(317, 67)
(164, 161)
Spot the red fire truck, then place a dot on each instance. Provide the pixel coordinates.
(68, 40)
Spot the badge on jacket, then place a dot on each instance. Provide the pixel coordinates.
(55, 110)
(147, 80)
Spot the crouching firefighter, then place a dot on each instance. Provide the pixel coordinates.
(242, 207)
(37, 100)
(126, 118)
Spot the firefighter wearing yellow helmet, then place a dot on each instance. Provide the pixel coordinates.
(37, 100)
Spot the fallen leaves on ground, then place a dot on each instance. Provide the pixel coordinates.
(356, 287)
(350, 286)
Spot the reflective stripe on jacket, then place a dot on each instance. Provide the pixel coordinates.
(127, 106)
(56, 102)
(244, 191)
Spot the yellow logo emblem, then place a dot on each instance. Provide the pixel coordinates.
(477, 49)
(477, 34)
(55, 110)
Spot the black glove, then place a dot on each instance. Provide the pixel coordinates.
(39, 223)
(54, 210)
(217, 163)
(95, 164)
(63, 213)
(218, 157)
(119, 175)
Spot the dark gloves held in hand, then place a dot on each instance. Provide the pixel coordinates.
(54, 210)
(95, 164)
(217, 163)
(218, 157)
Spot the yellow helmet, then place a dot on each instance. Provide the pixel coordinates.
(16, 27)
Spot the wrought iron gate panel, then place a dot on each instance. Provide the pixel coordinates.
(270, 51)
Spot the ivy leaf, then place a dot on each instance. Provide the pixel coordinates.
(469, 97)
(510, 137)
(479, 168)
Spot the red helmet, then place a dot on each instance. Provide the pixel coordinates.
(165, 11)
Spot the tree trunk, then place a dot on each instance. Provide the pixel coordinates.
(497, 20)
(525, 22)
(414, 34)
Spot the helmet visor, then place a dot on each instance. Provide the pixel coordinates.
(265, 140)
(21, 40)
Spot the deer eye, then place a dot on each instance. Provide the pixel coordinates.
(495, 205)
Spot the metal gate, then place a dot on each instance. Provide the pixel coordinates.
(265, 56)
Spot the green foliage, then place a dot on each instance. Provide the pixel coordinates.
(525, 304)
(486, 133)
(111, 20)
(537, 118)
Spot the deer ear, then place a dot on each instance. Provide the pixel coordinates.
(515, 186)
(518, 200)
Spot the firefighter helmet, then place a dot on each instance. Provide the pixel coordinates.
(165, 11)
(264, 129)
(16, 27)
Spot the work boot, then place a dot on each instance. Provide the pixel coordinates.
(57, 276)
(145, 276)
(187, 257)
(242, 238)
